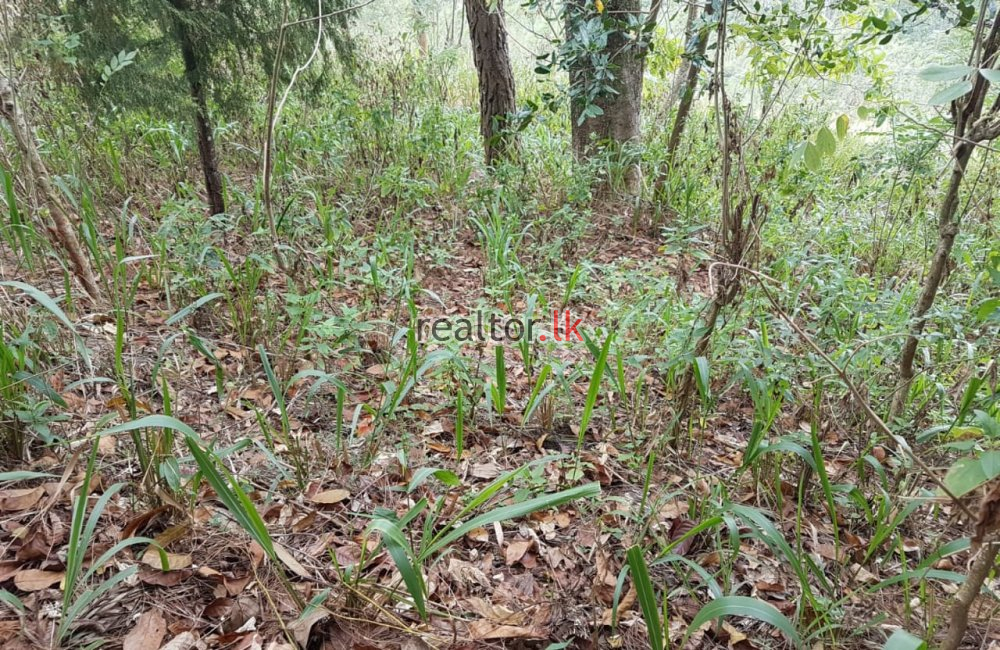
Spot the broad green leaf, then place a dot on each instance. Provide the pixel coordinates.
(421, 475)
(812, 157)
(945, 72)
(951, 93)
(842, 123)
(748, 608)
(825, 142)
(646, 596)
(903, 640)
(799, 152)
(988, 309)
(991, 75)
(991, 463)
(988, 423)
(967, 474)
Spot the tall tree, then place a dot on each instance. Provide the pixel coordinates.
(496, 80)
(605, 54)
(695, 55)
(214, 42)
(194, 71)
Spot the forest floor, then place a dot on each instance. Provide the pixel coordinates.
(543, 581)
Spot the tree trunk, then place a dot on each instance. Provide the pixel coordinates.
(488, 36)
(947, 230)
(971, 127)
(690, 86)
(680, 77)
(420, 25)
(620, 121)
(206, 140)
(967, 595)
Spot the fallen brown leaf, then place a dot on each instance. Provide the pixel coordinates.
(301, 628)
(36, 579)
(516, 550)
(148, 632)
(185, 641)
(483, 630)
(291, 562)
(160, 578)
(328, 497)
(218, 608)
(485, 470)
(175, 561)
(21, 499)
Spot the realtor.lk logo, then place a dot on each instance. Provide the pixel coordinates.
(497, 328)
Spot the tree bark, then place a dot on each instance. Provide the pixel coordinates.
(203, 123)
(680, 77)
(947, 230)
(690, 85)
(620, 121)
(488, 36)
(967, 595)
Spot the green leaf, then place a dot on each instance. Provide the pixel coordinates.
(646, 597)
(799, 152)
(967, 474)
(443, 475)
(500, 392)
(842, 123)
(991, 75)
(225, 485)
(991, 463)
(989, 424)
(42, 299)
(812, 157)
(595, 387)
(825, 142)
(988, 309)
(12, 600)
(513, 511)
(748, 608)
(187, 311)
(951, 93)
(402, 556)
(23, 476)
(945, 72)
(702, 378)
(903, 640)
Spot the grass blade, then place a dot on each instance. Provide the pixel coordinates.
(748, 608)
(646, 597)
